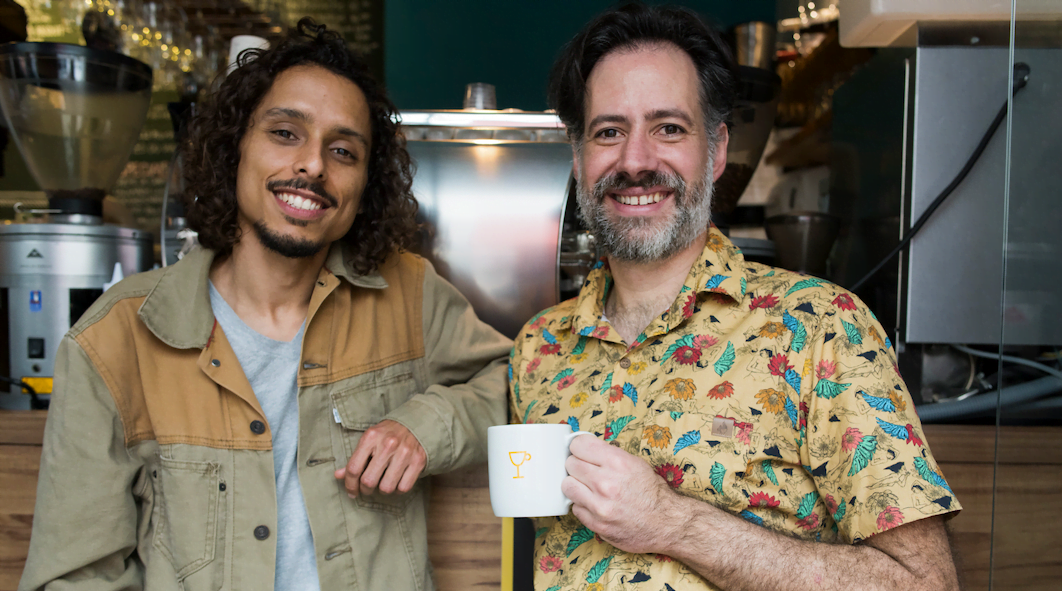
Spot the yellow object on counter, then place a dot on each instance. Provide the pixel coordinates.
(39, 385)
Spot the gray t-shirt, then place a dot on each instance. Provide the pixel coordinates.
(272, 368)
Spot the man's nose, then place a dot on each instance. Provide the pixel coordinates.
(310, 161)
(638, 156)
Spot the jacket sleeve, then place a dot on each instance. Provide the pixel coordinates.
(85, 520)
(466, 363)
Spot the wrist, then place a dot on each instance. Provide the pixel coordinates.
(680, 514)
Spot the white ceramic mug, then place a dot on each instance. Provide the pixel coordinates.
(526, 467)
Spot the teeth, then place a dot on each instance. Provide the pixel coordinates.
(641, 199)
(299, 202)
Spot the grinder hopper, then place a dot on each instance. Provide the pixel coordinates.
(75, 114)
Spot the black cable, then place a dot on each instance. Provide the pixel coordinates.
(1021, 79)
(15, 382)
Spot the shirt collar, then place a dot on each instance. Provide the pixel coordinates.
(177, 310)
(720, 269)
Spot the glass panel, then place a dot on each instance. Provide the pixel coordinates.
(1027, 530)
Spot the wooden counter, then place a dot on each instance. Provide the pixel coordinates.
(465, 539)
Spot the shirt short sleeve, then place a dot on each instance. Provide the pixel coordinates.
(878, 471)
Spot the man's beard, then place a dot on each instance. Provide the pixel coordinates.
(644, 239)
(293, 248)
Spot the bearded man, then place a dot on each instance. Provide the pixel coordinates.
(752, 430)
(260, 414)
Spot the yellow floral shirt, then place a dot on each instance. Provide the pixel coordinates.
(771, 395)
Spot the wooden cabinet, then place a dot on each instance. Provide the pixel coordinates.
(465, 538)
(20, 454)
(1027, 553)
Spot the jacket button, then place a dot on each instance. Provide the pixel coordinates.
(221, 486)
(257, 427)
(625, 362)
(215, 363)
(261, 532)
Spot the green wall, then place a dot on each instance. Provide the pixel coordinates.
(432, 49)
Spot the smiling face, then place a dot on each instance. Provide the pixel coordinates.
(303, 162)
(645, 169)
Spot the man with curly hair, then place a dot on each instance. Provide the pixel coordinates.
(261, 414)
(752, 431)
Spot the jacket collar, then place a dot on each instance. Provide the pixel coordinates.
(720, 269)
(178, 312)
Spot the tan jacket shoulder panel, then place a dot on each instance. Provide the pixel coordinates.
(368, 328)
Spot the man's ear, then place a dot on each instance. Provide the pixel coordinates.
(720, 151)
(575, 163)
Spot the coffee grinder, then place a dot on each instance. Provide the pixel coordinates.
(75, 114)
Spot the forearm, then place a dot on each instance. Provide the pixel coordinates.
(737, 555)
(451, 421)
(465, 363)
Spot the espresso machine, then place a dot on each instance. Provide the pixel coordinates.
(75, 114)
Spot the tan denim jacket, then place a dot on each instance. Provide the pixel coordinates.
(157, 469)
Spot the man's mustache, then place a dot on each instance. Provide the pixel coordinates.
(620, 180)
(303, 184)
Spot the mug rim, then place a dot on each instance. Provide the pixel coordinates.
(540, 425)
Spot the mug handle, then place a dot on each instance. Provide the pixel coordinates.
(568, 441)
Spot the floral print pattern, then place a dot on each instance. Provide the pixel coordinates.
(771, 395)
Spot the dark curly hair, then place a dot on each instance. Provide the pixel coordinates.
(386, 219)
(629, 27)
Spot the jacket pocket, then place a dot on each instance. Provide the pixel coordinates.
(365, 403)
(186, 512)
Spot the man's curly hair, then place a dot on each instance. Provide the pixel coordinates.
(386, 219)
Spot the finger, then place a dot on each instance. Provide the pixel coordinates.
(590, 449)
(357, 464)
(581, 470)
(396, 468)
(578, 493)
(410, 478)
(585, 517)
(341, 473)
(370, 478)
(382, 457)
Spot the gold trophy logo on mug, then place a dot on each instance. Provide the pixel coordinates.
(523, 455)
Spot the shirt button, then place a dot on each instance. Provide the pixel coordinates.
(215, 363)
(257, 427)
(625, 363)
(261, 532)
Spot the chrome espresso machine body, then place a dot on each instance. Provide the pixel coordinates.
(75, 114)
(49, 275)
(492, 188)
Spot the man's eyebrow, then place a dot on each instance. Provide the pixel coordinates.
(284, 112)
(606, 119)
(650, 116)
(354, 134)
(670, 114)
(297, 114)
